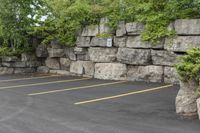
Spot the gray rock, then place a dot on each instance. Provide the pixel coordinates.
(24, 70)
(102, 54)
(145, 73)
(120, 41)
(187, 26)
(83, 41)
(182, 43)
(69, 52)
(98, 41)
(43, 69)
(61, 72)
(110, 71)
(121, 29)
(10, 58)
(134, 56)
(65, 63)
(186, 99)
(104, 27)
(134, 28)
(198, 107)
(33, 63)
(19, 64)
(91, 30)
(52, 63)
(55, 52)
(55, 45)
(82, 67)
(6, 70)
(164, 58)
(41, 51)
(170, 75)
(83, 57)
(28, 57)
(78, 50)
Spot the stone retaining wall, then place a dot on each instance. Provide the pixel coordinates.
(129, 58)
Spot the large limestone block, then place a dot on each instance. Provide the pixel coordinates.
(83, 41)
(65, 63)
(182, 43)
(91, 30)
(165, 58)
(82, 67)
(43, 69)
(6, 70)
(99, 41)
(134, 28)
(170, 75)
(69, 52)
(121, 29)
(120, 41)
(55, 52)
(187, 26)
(134, 56)
(186, 99)
(10, 58)
(52, 63)
(145, 73)
(102, 54)
(41, 51)
(33, 63)
(28, 57)
(110, 71)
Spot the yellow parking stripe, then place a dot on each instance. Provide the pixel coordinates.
(122, 95)
(43, 83)
(29, 78)
(75, 88)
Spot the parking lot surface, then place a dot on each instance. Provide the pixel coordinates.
(65, 104)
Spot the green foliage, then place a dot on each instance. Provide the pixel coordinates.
(189, 67)
(7, 51)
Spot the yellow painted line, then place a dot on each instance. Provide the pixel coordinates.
(122, 95)
(76, 88)
(29, 78)
(43, 83)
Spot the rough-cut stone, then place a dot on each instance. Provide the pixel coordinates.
(110, 71)
(24, 70)
(121, 29)
(41, 51)
(91, 30)
(69, 52)
(104, 27)
(55, 52)
(83, 57)
(19, 64)
(82, 67)
(43, 69)
(187, 26)
(55, 45)
(198, 107)
(83, 41)
(98, 41)
(6, 70)
(28, 57)
(10, 59)
(182, 43)
(102, 54)
(52, 63)
(134, 28)
(186, 99)
(170, 75)
(145, 73)
(134, 56)
(120, 41)
(164, 58)
(65, 63)
(33, 63)
(78, 50)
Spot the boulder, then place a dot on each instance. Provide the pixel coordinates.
(41, 51)
(134, 28)
(120, 41)
(145, 73)
(110, 71)
(170, 75)
(10, 59)
(6, 70)
(69, 52)
(55, 52)
(28, 57)
(33, 63)
(164, 58)
(52, 63)
(99, 41)
(102, 54)
(65, 63)
(182, 43)
(19, 64)
(43, 69)
(121, 29)
(82, 68)
(91, 30)
(83, 41)
(186, 105)
(187, 26)
(134, 56)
